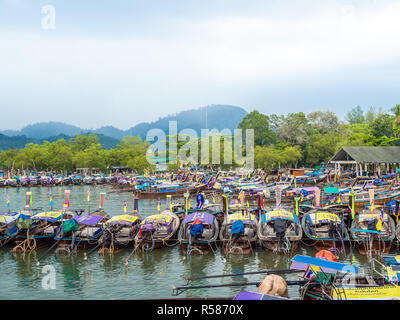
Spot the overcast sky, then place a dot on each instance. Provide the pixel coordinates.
(123, 62)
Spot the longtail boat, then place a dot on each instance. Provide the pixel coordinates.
(41, 231)
(327, 229)
(157, 230)
(365, 231)
(80, 232)
(8, 226)
(119, 232)
(279, 231)
(198, 232)
(239, 232)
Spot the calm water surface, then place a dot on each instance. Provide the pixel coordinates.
(148, 276)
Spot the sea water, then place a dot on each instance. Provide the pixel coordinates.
(147, 276)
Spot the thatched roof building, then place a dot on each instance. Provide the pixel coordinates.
(369, 157)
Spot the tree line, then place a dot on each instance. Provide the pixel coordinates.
(291, 140)
(83, 151)
(297, 139)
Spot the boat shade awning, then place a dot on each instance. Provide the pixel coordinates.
(371, 216)
(239, 216)
(392, 259)
(279, 214)
(90, 220)
(123, 219)
(323, 217)
(202, 216)
(6, 219)
(50, 216)
(302, 262)
(164, 219)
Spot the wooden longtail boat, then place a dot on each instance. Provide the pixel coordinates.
(80, 232)
(157, 231)
(198, 233)
(381, 198)
(8, 226)
(42, 230)
(119, 232)
(279, 231)
(239, 232)
(327, 229)
(338, 281)
(176, 190)
(370, 240)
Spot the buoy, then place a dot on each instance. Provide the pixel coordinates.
(273, 285)
(326, 255)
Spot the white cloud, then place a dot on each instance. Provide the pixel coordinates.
(201, 61)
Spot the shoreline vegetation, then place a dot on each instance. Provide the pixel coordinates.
(294, 140)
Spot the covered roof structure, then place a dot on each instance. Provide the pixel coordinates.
(364, 155)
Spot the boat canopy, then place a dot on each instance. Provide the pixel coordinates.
(123, 219)
(90, 220)
(279, 214)
(239, 216)
(202, 216)
(301, 262)
(9, 217)
(371, 216)
(323, 217)
(164, 219)
(50, 216)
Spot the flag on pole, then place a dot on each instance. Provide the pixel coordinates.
(8, 201)
(124, 206)
(88, 195)
(310, 273)
(373, 205)
(339, 200)
(159, 205)
(380, 221)
(295, 182)
(51, 201)
(66, 198)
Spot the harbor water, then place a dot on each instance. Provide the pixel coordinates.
(147, 276)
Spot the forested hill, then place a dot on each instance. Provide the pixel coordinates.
(19, 142)
(214, 116)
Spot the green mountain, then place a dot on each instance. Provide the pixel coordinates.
(211, 117)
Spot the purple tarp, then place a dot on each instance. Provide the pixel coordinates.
(90, 220)
(202, 216)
